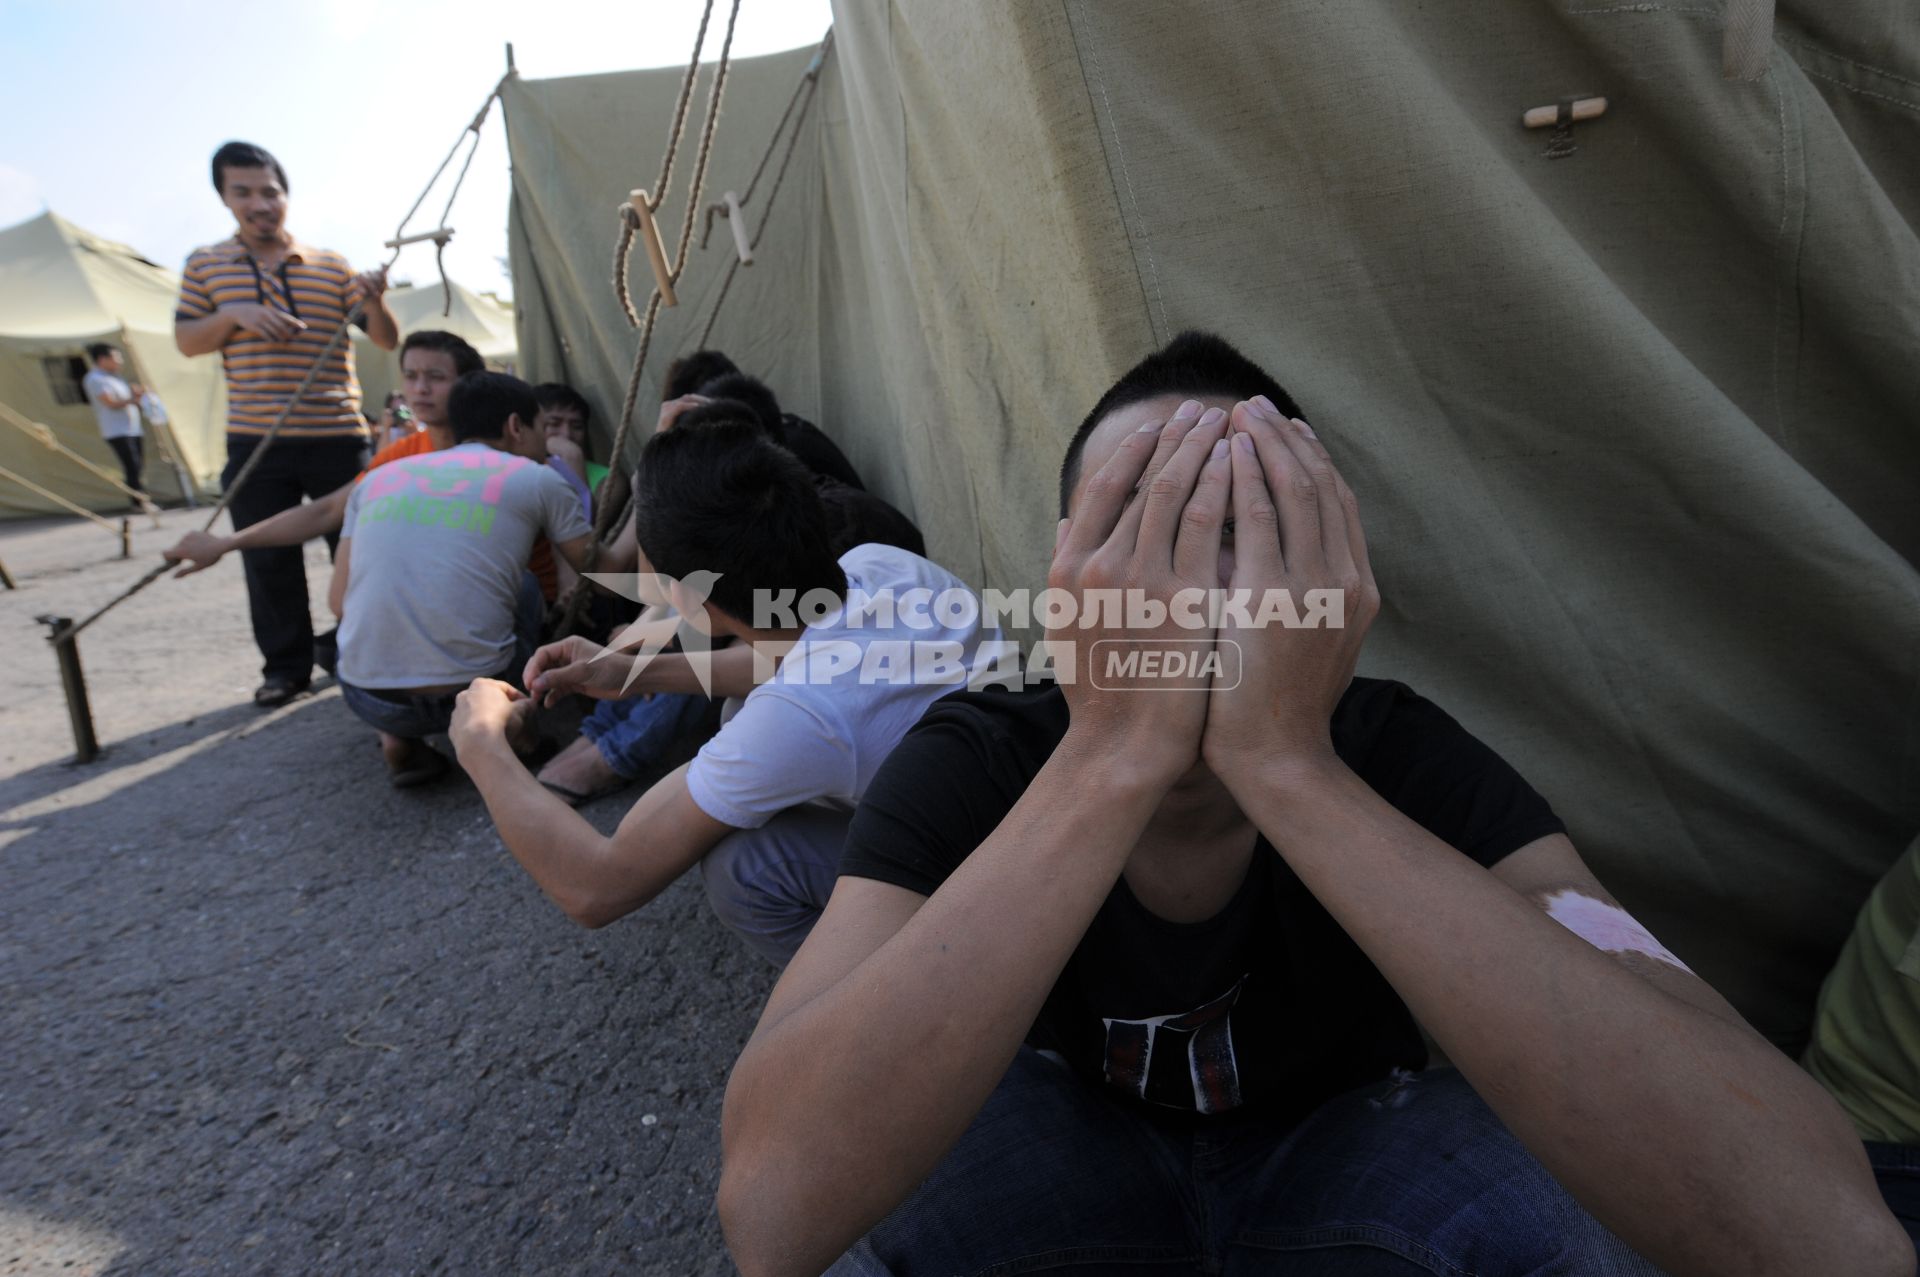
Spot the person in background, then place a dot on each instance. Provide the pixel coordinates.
(270, 305)
(1865, 1047)
(431, 584)
(763, 807)
(396, 422)
(564, 413)
(626, 735)
(116, 406)
(796, 434)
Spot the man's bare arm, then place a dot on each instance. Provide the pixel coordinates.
(925, 1006)
(1672, 1122)
(594, 878)
(383, 329)
(337, 587)
(295, 526)
(206, 334)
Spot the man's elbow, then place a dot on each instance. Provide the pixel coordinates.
(1880, 1245)
(593, 908)
(761, 1246)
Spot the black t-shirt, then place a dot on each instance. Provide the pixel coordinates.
(816, 451)
(1268, 1002)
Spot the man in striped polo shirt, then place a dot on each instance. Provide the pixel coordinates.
(270, 304)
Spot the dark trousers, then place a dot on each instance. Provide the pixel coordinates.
(127, 448)
(277, 577)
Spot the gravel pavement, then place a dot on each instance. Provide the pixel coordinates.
(262, 1013)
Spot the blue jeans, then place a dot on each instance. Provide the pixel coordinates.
(769, 885)
(631, 734)
(1411, 1176)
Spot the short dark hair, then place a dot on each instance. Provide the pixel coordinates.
(100, 350)
(689, 372)
(750, 391)
(717, 410)
(245, 155)
(465, 358)
(857, 517)
(558, 394)
(1192, 364)
(722, 497)
(479, 404)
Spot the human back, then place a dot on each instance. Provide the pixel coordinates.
(440, 544)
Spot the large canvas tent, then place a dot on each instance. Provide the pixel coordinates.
(61, 288)
(1636, 430)
(482, 318)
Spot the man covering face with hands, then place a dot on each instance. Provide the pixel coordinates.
(1140, 962)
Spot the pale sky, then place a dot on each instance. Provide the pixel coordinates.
(113, 108)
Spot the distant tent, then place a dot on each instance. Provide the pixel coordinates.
(481, 318)
(1636, 425)
(61, 288)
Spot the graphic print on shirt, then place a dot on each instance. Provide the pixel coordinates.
(1184, 1060)
(456, 489)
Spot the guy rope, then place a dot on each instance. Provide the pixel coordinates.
(43, 435)
(636, 219)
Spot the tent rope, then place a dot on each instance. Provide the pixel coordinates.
(608, 516)
(43, 433)
(804, 89)
(57, 499)
(397, 244)
(809, 81)
(623, 249)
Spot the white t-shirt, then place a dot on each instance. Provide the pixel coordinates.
(847, 693)
(115, 423)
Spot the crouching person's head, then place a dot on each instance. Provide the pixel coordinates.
(497, 409)
(735, 519)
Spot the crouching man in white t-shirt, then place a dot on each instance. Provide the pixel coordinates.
(857, 647)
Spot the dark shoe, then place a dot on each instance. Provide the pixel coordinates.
(276, 692)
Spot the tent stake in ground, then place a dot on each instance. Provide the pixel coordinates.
(74, 682)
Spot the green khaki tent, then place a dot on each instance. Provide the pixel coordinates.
(62, 288)
(1633, 410)
(482, 318)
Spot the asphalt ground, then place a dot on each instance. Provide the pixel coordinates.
(262, 1013)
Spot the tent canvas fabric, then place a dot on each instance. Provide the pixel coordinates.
(1634, 430)
(62, 288)
(481, 318)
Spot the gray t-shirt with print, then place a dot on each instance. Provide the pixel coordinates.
(439, 543)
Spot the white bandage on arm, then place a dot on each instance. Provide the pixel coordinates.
(1606, 926)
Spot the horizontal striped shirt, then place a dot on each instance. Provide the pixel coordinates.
(316, 286)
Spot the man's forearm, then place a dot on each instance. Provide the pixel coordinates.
(295, 526)
(204, 335)
(731, 674)
(1688, 1135)
(382, 328)
(930, 1020)
(564, 854)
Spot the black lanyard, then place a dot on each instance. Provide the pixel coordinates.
(260, 284)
